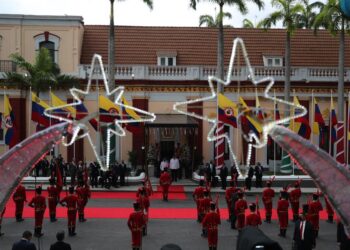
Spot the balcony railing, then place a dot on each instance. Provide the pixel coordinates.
(7, 66)
(146, 72)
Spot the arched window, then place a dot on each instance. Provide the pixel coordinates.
(50, 46)
(49, 41)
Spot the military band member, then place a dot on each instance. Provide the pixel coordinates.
(210, 223)
(39, 204)
(204, 208)
(315, 207)
(83, 194)
(19, 197)
(267, 196)
(253, 219)
(294, 197)
(197, 195)
(329, 209)
(144, 203)
(53, 199)
(70, 202)
(136, 223)
(2, 216)
(240, 207)
(165, 181)
(282, 212)
(145, 188)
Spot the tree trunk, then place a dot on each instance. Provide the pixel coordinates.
(287, 74)
(341, 74)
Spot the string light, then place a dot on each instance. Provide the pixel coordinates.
(80, 125)
(252, 138)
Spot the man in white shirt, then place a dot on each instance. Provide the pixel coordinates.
(174, 166)
(164, 164)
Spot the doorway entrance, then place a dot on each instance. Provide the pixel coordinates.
(166, 149)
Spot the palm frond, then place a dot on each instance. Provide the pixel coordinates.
(149, 3)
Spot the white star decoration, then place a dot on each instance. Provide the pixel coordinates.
(214, 121)
(80, 125)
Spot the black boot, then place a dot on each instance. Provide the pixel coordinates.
(73, 231)
(316, 233)
(1, 234)
(70, 231)
(38, 233)
(330, 219)
(281, 233)
(83, 218)
(144, 231)
(19, 218)
(284, 233)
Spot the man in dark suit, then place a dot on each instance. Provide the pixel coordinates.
(303, 232)
(342, 239)
(223, 176)
(24, 243)
(60, 245)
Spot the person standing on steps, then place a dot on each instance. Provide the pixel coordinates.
(223, 176)
(258, 175)
(174, 167)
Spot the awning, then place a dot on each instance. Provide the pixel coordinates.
(173, 120)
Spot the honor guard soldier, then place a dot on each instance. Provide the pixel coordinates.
(53, 199)
(329, 209)
(210, 223)
(253, 219)
(165, 181)
(83, 193)
(71, 202)
(204, 207)
(240, 207)
(144, 203)
(282, 212)
(315, 207)
(136, 223)
(232, 212)
(19, 197)
(228, 195)
(143, 188)
(294, 197)
(197, 195)
(2, 216)
(39, 204)
(267, 196)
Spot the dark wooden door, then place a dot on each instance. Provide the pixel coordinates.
(166, 149)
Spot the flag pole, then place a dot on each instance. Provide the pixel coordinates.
(274, 144)
(98, 118)
(312, 116)
(347, 133)
(293, 127)
(330, 125)
(29, 109)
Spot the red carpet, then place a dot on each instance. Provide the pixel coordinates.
(173, 189)
(122, 213)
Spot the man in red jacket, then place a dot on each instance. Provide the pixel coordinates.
(71, 202)
(210, 223)
(267, 197)
(197, 195)
(39, 204)
(83, 193)
(204, 207)
(315, 207)
(52, 199)
(294, 197)
(282, 211)
(165, 181)
(253, 219)
(136, 223)
(19, 197)
(144, 204)
(228, 196)
(240, 207)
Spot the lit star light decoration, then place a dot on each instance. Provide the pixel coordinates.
(80, 125)
(251, 137)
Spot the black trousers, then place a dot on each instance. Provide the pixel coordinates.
(174, 174)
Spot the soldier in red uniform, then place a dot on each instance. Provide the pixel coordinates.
(210, 223)
(71, 202)
(228, 196)
(197, 195)
(1, 216)
(240, 207)
(19, 197)
(144, 203)
(136, 223)
(53, 199)
(165, 181)
(282, 212)
(294, 197)
(267, 197)
(329, 210)
(83, 193)
(39, 204)
(315, 207)
(144, 187)
(253, 219)
(204, 208)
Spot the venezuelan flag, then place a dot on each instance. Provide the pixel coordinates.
(38, 108)
(107, 107)
(227, 111)
(300, 125)
(333, 121)
(68, 111)
(81, 112)
(249, 120)
(9, 119)
(130, 114)
(318, 123)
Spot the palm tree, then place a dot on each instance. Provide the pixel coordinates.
(41, 75)
(248, 24)
(209, 21)
(332, 18)
(288, 12)
(308, 14)
(242, 7)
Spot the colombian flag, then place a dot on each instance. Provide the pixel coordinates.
(333, 122)
(130, 114)
(81, 112)
(249, 120)
(318, 123)
(300, 125)
(9, 119)
(107, 107)
(64, 112)
(227, 111)
(38, 108)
